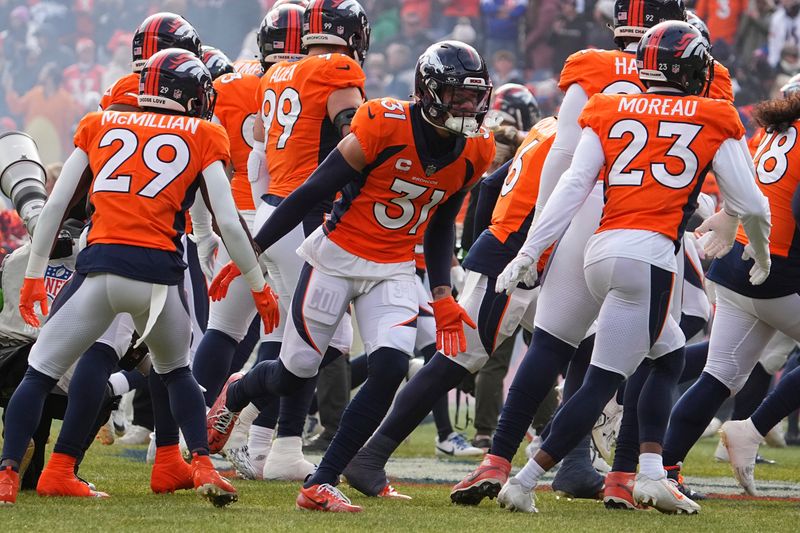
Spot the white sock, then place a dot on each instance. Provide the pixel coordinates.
(652, 466)
(260, 440)
(530, 474)
(119, 383)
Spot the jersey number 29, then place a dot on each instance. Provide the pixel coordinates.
(107, 180)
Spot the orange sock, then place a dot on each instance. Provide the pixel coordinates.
(58, 479)
(170, 471)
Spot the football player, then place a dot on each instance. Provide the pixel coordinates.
(654, 150)
(141, 170)
(747, 316)
(305, 109)
(238, 103)
(403, 165)
(567, 309)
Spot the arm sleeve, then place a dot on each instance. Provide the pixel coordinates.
(236, 239)
(736, 178)
(330, 177)
(201, 218)
(257, 172)
(487, 197)
(53, 212)
(440, 240)
(571, 191)
(567, 136)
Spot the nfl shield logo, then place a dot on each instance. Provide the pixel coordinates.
(430, 169)
(676, 69)
(55, 277)
(340, 30)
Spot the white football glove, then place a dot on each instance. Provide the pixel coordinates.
(207, 253)
(760, 271)
(717, 234)
(521, 269)
(457, 277)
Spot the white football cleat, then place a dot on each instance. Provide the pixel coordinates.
(533, 447)
(663, 495)
(606, 429)
(720, 453)
(135, 435)
(775, 437)
(712, 428)
(286, 461)
(240, 459)
(741, 440)
(515, 498)
(456, 445)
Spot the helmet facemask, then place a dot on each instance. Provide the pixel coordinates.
(455, 106)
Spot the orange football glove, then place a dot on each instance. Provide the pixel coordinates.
(219, 287)
(32, 291)
(450, 339)
(267, 306)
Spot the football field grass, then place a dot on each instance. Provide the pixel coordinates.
(269, 506)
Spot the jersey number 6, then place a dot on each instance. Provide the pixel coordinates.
(166, 170)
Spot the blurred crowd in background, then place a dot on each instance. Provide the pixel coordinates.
(58, 56)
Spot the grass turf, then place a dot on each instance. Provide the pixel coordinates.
(270, 506)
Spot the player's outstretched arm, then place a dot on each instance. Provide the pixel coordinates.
(73, 176)
(736, 178)
(568, 135)
(342, 166)
(233, 234)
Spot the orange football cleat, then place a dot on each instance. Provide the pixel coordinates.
(58, 479)
(326, 498)
(618, 492)
(484, 482)
(170, 472)
(9, 486)
(220, 420)
(209, 484)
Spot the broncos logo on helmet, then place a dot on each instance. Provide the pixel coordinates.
(173, 80)
(160, 31)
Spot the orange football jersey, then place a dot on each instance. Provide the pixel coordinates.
(521, 186)
(236, 110)
(382, 218)
(124, 91)
(248, 66)
(657, 149)
(777, 161)
(293, 99)
(145, 168)
(722, 17)
(614, 72)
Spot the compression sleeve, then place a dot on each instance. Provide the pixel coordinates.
(736, 178)
(440, 240)
(233, 234)
(487, 198)
(257, 172)
(329, 178)
(53, 212)
(567, 136)
(570, 193)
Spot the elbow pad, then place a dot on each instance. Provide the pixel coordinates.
(343, 119)
(22, 176)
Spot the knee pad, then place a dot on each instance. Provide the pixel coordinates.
(729, 373)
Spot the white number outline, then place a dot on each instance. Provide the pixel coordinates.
(515, 170)
(288, 119)
(410, 192)
(165, 171)
(683, 133)
(775, 146)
